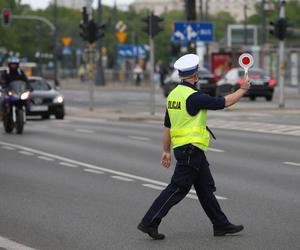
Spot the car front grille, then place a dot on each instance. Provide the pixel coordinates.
(40, 100)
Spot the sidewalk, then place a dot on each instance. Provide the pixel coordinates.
(292, 101)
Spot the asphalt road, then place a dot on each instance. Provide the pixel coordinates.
(137, 100)
(85, 184)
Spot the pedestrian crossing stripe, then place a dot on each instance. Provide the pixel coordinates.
(259, 127)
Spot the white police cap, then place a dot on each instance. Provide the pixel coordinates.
(187, 65)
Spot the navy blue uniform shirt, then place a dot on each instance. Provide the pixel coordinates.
(197, 101)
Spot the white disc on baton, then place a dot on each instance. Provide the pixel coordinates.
(246, 61)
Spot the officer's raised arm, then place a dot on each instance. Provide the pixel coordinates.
(236, 96)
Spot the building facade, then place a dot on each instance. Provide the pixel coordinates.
(235, 7)
(74, 4)
(158, 6)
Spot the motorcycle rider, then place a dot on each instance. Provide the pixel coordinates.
(12, 73)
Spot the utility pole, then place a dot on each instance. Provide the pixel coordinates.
(206, 9)
(99, 79)
(201, 10)
(281, 60)
(263, 33)
(55, 78)
(263, 23)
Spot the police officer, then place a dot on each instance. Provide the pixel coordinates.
(185, 129)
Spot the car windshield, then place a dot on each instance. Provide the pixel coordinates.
(203, 72)
(254, 73)
(39, 85)
(18, 86)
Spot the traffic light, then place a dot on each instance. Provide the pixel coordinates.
(84, 25)
(95, 32)
(90, 31)
(146, 25)
(279, 28)
(152, 24)
(6, 17)
(155, 24)
(282, 28)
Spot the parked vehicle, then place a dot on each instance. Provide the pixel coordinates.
(44, 99)
(14, 106)
(262, 85)
(206, 82)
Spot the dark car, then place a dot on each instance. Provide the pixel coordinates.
(45, 100)
(206, 82)
(262, 85)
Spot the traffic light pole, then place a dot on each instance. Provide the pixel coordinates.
(281, 61)
(152, 91)
(99, 79)
(152, 87)
(89, 65)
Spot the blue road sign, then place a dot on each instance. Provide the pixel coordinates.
(131, 50)
(66, 51)
(193, 31)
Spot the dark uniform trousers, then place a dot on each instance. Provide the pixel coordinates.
(192, 168)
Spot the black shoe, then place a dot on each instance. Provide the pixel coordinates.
(227, 229)
(151, 231)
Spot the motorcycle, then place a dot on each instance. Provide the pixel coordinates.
(16, 97)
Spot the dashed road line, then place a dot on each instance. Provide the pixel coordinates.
(292, 163)
(45, 158)
(120, 178)
(93, 167)
(9, 244)
(139, 138)
(86, 131)
(216, 150)
(8, 148)
(154, 186)
(25, 153)
(66, 164)
(93, 171)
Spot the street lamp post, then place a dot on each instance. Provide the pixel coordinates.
(56, 82)
(245, 26)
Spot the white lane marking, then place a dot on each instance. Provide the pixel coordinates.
(8, 148)
(121, 178)
(216, 150)
(45, 158)
(139, 138)
(91, 120)
(68, 164)
(153, 186)
(40, 126)
(194, 197)
(292, 163)
(260, 127)
(93, 171)
(86, 131)
(86, 165)
(190, 195)
(25, 152)
(11, 245)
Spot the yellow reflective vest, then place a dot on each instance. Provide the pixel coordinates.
(185, 128)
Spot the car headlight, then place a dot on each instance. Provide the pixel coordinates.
(25, 95)
(58, 99)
